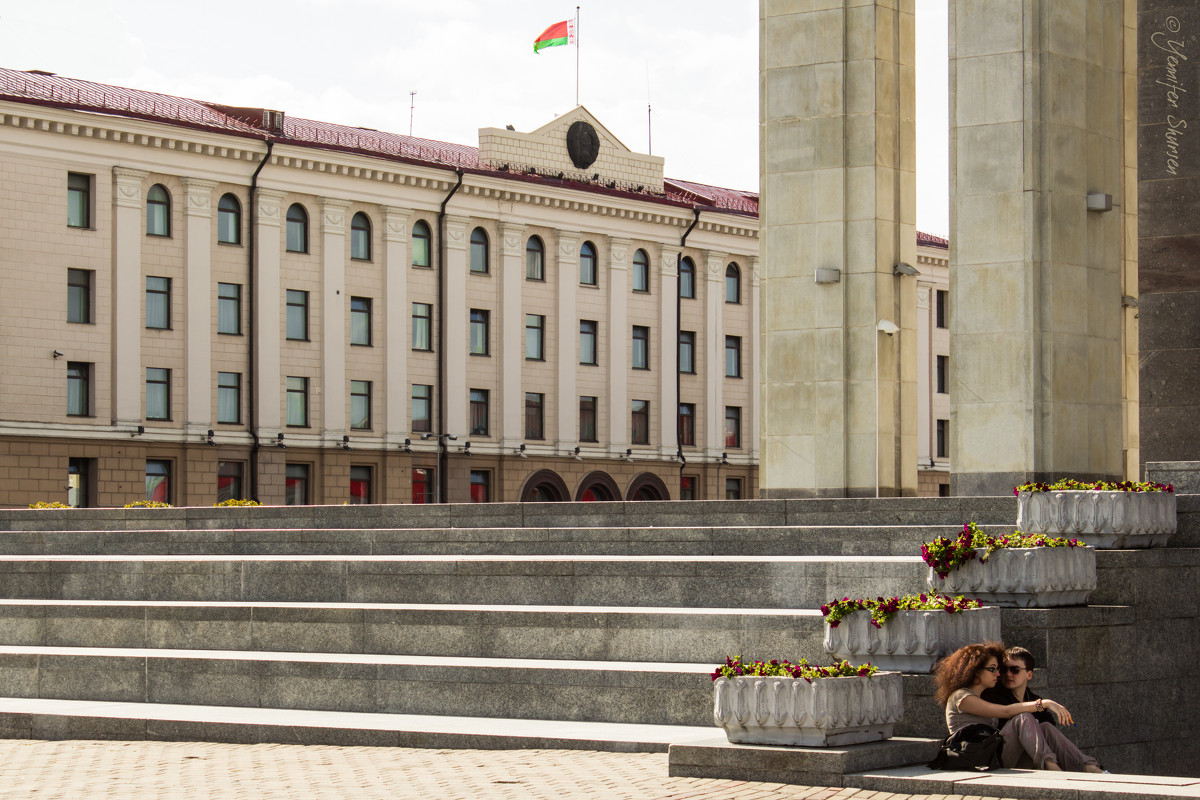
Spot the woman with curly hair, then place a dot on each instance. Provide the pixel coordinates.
(964, 674)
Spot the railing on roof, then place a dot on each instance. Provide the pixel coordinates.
(354, 140)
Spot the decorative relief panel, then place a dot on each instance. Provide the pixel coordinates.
(333, 215)
(512, 238)
(127, 185)
(395, 223)
(922, 297)
(568, 245)
(668, 265)
(199, 197)
(456, 232)
(618, 252)
(269, 206)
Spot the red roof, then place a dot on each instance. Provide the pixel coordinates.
(47, 89)
(929, 240)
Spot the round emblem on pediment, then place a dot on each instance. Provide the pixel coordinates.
(583, 144)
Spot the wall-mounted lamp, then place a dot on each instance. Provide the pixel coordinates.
(521, 451)
(905, 269)
(576, 456)
(279, 441)
(210, 438)
(725, 459)
(827, 275)
(140, 430)
(629, 454)
(1099, 201)
(57, 354)
(888, 327)
(453, 437)
(466, 448)
(407, 446)
(424, 436)
(345, 442)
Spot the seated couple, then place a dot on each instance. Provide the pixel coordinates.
(967, 686)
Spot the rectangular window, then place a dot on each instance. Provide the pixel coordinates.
(480, 320)
(296, 493)
(640, 433)
(687, 423)
(481, 486)
(733, 488)
(79, 389)
(79, 200)
(587, 342)
(297, 315)
(229, 481)
(422, 485)
(943, 438)
(422, 401)
(940, 311)
(158, 302)
(733, 426)
(360, 485)
(158, 393)
(79, 295)
(229, 308)
(943, 369)
(687, 487)
(587, 419)
(297, 402)
(535, 337)
(229, 397)
(360, 321)
(733, 356)
(79, 481)
(943, 490)
(158, 481)
(360, 405)
(687, 352)
(422, 326)
(641, 347)
(479, 412)
(535, 415)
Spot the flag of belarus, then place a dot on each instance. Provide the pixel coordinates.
(558, 33)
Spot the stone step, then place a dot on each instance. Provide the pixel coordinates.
(47, 719)
(750, 540)
(592, 633)
(673, 581)
(589, 691)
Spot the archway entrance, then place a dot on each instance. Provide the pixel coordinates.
(647, 486)
(597, 487)
(544, 486)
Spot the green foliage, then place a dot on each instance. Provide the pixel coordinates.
(232, 502)
(782, 669)
(945, 554)
(882, 610)
(148, 504)
(48, 504)
(1071, 485)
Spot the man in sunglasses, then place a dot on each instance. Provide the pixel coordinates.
(1015, 674)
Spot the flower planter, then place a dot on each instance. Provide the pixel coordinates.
(1024, 577)
(1102, 519)
(828, 712)
(911, 641)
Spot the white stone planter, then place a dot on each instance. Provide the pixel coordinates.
(1024, 577)
(1102, 519)
(828, 712)
(911, 641)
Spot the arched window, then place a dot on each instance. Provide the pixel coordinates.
(535, 259)
(360, 237)
(733, 284)
(587, 264)
(297, 229)
(687, 278)
(420, 244)
(229, 220)
(479, 250)
(158, 211)
(641, 271)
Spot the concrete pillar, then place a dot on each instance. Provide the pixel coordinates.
(198, 299)
(838, 197)
(615, 335)
(566, 324)
(129, 291)
(512, 338)
(1037, 127)
(711, 272)
(668, 351)
(397, 319)
(454, 342)
(268, 302)
(334, 302)
(751, 413)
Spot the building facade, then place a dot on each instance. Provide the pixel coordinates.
(933, 365)
(204, 302)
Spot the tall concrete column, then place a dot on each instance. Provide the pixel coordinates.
(454, 344)
(512, 337)
(332, 385)
(397, 318)
(198, 294)
(268, 301)
(615, 350)
(129, 289)
(668, 350)
(1037, 135)
(838, 196)
(566, 324)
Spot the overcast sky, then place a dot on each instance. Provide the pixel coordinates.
(472, 65)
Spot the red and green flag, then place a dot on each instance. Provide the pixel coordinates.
(558, 33)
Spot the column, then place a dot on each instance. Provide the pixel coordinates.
(616, 349)
(713, 292)
(837, 113)
(128, 293)
(333, 320)
(267, 300)
(566, 326)
(751, 367)
(668, 350)
(397, 316)
(1037, 125)
(453, 346)
(512, 337)
(198, 293)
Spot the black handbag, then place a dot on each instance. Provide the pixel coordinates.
(975, 747)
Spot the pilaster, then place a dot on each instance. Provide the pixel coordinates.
(198, 294)
(333, 319)
(713, 436)
(616, 340)
(668, 351)
(566, 254)
(396, 318)
(454, 328)
(128, 293)
(512, 337)
(268, 301)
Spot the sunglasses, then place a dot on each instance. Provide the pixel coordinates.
(1012, 670)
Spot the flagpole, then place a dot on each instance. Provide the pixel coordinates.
(576, 55)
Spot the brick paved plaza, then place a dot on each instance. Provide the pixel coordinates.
(70, 770)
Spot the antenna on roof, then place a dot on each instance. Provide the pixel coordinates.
(649, 118)
(412, 104)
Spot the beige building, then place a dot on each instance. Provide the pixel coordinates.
(205, 302)
(933, 365)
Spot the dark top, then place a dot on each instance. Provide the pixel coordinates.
(1003, 697)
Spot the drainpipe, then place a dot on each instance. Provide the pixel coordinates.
(253, 321)
(678, 329)
(442, 355)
